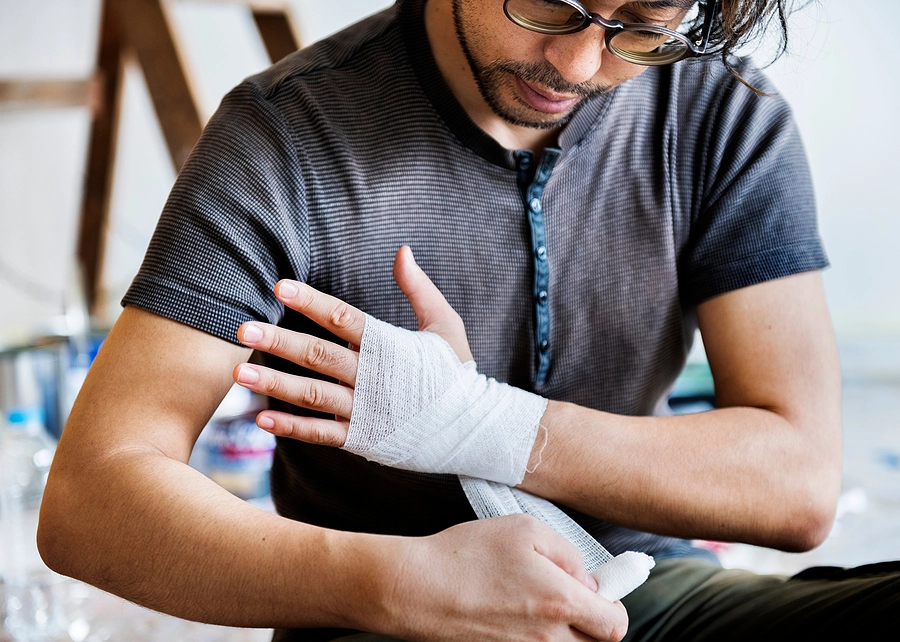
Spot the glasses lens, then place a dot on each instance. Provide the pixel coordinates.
(648, 47)
(545, 16)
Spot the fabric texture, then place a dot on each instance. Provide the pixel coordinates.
(577, 277)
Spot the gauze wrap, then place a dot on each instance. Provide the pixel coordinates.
(417, 407)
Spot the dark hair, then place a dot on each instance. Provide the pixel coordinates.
(741, 22)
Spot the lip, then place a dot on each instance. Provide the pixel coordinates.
(542, 102)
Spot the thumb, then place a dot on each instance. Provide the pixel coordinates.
(565, 555)
(432, 310)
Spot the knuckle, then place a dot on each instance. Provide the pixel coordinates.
(319, 435)
(557, 609)
(270, 385)
(342, 316)
(272, 342)
(316, 354)
(289, 429)
(313, 396)
(324, 437)
(620, 626)
(528, 525)
(618, 632)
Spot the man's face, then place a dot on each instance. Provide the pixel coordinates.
(538, 81)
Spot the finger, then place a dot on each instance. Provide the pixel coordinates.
(581, 637)
(432, 310)
(331, 313)
(598, 618)
(312, 394)
(586, 612)
(565, 555)
(312, 430)
(313, 353)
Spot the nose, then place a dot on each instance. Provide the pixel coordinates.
(576, 56)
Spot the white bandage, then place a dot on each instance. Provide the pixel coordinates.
(616, 576)
(417, 407)
(622, 574)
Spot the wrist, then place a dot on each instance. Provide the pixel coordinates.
(550, 437)
(372, 571)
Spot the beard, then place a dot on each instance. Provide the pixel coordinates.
(496, 81)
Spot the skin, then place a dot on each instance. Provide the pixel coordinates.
(123, 511)
(578, 63)
(776, 432)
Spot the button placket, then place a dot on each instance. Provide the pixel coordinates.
(534, 207)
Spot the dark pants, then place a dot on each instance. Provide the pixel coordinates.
(693, 600)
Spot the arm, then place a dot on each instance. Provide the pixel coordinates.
(763, 468)
(124, 512)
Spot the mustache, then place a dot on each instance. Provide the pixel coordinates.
(546, 75)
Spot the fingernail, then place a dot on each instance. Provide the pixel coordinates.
(247, 374)
(287, 290)
(252, 333)
(265, 422)
(591, 583)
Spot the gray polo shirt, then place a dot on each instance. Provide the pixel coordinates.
(577, 276)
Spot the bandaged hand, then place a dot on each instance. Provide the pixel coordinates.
(411, 400)
(417, 407)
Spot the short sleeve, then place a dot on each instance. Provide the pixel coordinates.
(234, 223)
(756, 217)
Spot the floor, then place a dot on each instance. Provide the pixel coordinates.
(867, 529)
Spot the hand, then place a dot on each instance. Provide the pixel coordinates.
(509, 578)
(330, 359)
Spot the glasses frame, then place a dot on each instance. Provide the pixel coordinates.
(615, 27)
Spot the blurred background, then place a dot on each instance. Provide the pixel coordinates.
(840, 79)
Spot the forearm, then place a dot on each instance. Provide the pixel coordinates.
(156, 532)
(123, 510)
(733, 474)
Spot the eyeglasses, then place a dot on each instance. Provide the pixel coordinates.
(635, 42)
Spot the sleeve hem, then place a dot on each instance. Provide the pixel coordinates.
(192, 309)
(786, 260)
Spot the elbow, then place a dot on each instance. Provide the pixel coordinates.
(811, 517)
(811, 492)
(59, 539)
(53, 545)
(807, 531)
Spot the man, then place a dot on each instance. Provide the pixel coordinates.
(583, 214)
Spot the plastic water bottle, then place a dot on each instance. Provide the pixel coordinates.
(34, 594)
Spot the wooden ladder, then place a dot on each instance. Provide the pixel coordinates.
(144, 31)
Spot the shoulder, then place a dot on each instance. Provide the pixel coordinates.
(717, 102)
(693, 92)
(356, 51)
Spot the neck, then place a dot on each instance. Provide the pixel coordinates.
(454, 67)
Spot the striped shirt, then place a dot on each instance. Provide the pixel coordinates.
(577, 276)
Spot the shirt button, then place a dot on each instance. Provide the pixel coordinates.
(542, 253)
(542, 297)
(535, 204)
(544, 345)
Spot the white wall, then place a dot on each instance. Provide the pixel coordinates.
(845, 92)
(844, 85)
